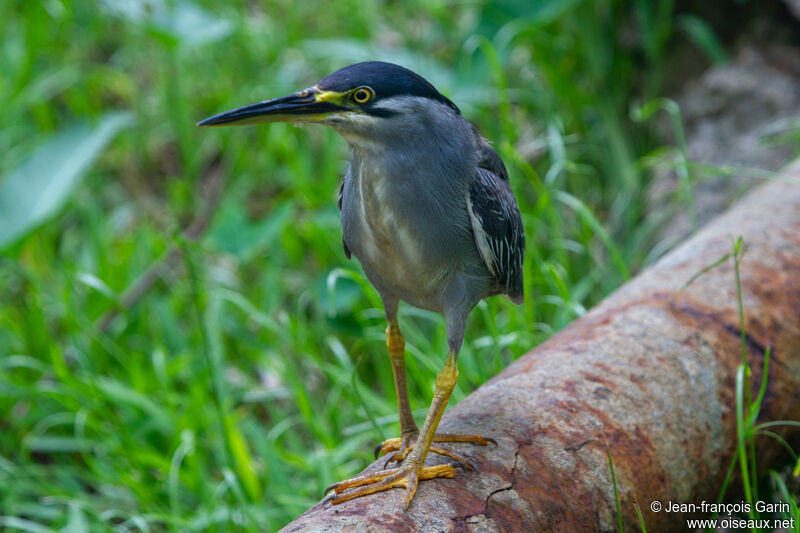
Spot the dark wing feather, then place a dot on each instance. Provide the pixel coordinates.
(497, 224)
(347, 251)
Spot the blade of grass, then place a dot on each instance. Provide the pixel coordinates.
(586, 214)
(641, 114)
(639, 516)
(742, 438)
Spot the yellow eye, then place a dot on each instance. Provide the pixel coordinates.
(362, 95)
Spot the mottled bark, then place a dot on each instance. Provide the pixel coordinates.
(648, 375)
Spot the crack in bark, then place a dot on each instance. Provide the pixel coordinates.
(502, 489)
(489, 497)
(485, 512)
(578, 446)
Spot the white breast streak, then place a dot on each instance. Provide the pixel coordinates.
(481, 239)
(368, 241)
(394, 226)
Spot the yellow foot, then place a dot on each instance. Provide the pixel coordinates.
(401, 446)
(407, 476)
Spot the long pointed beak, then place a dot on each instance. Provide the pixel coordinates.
(309, 105)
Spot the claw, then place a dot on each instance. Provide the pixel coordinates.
(326, 491)
(389, 460)
(467, 466)
(412, 482)
(396, 444)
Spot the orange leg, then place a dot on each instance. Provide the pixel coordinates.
(413, 469)
(402, 445)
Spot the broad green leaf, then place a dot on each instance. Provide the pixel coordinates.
(538, 11)
(175, 23)
(34, 191)
(234, 233)
(529, 12)
(192, 25)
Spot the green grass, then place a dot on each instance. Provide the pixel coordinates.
(253, 373)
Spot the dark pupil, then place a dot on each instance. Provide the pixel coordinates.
(361, 95)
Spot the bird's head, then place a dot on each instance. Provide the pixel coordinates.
(360, 101)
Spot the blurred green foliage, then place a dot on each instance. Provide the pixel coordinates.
(254, 372)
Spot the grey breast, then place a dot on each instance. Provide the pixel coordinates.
(404, 213)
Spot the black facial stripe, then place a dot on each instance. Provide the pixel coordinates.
(381, 112)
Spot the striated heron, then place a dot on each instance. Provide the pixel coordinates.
(428, 211)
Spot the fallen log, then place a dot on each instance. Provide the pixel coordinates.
(648, 376)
